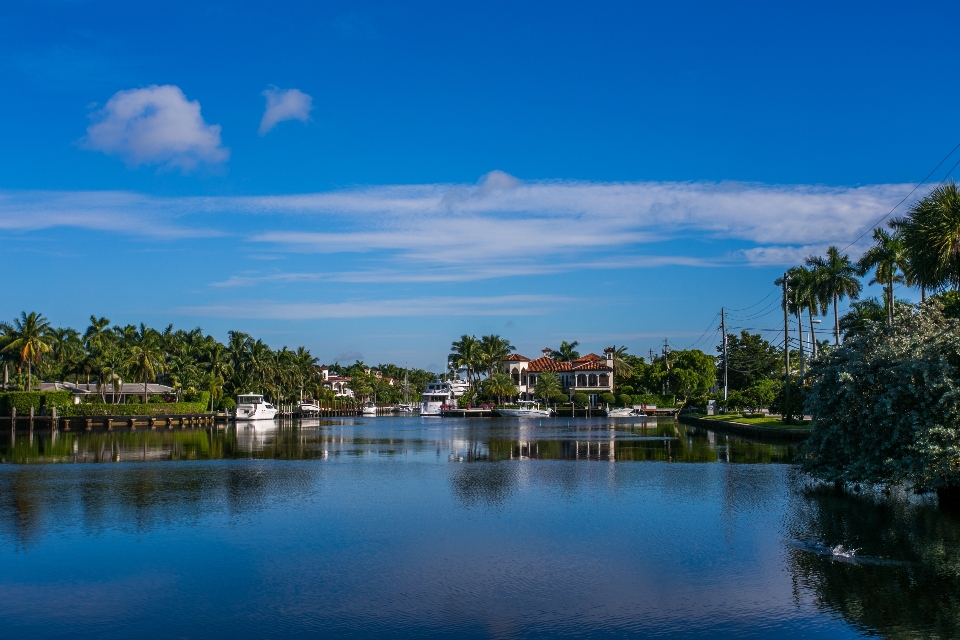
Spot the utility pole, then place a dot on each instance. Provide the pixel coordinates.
(786, 353)
(723, 330)
(666, 362)
(651, 356)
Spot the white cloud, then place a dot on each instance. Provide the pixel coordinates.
(499, 227)
(155, 125)
(514, 305)
(289, 104)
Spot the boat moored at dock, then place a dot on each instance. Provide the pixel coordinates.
(437, 397)
(525, 409)
(252, 406)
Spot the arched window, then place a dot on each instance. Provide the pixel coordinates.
(604, 380)
(523, 376)
(516, 376)
(593, 379)
(581, 380)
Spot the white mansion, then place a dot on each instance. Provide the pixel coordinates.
(590, 374)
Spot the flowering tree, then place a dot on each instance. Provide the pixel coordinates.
(886, 406)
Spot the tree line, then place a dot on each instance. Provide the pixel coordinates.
(190, 362)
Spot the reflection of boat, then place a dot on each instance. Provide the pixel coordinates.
(252, 406)
(626, 412)
(369, 409)
(308, 407)
(254, 436)
(436, 397)
(525, 409)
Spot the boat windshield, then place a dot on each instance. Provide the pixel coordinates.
(249, 399)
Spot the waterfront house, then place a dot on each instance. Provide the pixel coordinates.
(590, 374)
(339, 384)
(114, 393)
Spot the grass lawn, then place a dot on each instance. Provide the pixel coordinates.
(759, 419)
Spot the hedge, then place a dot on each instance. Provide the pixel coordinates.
(139, 409)
(41, 401)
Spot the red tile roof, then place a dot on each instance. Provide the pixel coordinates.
(548, 364)
(592, 365)
(588, 357)
(514, 357)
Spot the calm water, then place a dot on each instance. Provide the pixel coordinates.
(440, 527)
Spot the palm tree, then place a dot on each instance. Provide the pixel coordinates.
(465, 353)
(621, 368)
(887, 257)
(499, 384)
(836, 279)
(29, 338)
(810, 297)
(548, 385)
(493, 351)
(144, 355)
(566, 352)
(931, 238)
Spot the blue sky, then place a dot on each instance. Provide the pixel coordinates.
(374, 179)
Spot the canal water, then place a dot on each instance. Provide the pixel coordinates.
(397, 527)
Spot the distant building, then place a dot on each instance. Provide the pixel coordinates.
(118, 393)
(339, 384)
(590, 374)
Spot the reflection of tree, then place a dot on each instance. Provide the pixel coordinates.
(485, 483)
(907, 581)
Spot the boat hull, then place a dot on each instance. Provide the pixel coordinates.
(525, 413)
(258, 414)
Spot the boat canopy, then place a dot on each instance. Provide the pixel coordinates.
(250, 398)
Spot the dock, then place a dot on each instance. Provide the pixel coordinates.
(466, 413)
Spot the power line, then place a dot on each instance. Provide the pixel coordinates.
(919, 184)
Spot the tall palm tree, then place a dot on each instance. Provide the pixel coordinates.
(888, 258)
(836, 279)
(465, 353)
(145, 356)
(29, 338)
(567, 351)
(931, 238)
(499, 384)
(548, 385)
(621, 368)
(493, 351)
(814, 302)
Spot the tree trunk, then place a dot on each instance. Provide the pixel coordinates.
(29, 376)
(813, 336)
(836, 321)
(890, 302)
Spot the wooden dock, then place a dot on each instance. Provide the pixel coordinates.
(109, 423)
(466, 413)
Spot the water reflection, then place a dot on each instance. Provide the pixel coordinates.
(904, 580)
(461, 440)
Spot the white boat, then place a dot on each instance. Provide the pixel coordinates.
(369, 409)
(252, 406)
(459, 387)
(436, 397)
(525, 409)
(308, 407)
(626, 412)
(404, 407)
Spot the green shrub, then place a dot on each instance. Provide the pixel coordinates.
(225, 404)
(608, 398)
(626, 399)
(41, 401)
(655, 399)
(559, 398)
(197, 396)
(581, 399)
(138, 409)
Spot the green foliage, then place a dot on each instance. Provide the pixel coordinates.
(225, 405)
(751, 359)
(548, 385)
(499, 385)
(763, 394)
(559, 397)
(608, 398)
(931, 235)
(798, 395)
(41, 401)
(886, 405)
(581, 399)
(951, 302)
(202, 397)
(625, 400)
(136, 409)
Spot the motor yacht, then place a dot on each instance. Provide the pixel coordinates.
(436, 397)
(525, 409)
(404, 407)
(308, 407)
(252, 406)
(626, 412)
(369, 409)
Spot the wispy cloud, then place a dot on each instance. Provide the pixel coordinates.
(155, 125)
(500, 226)
(514, 305)
(284, 104)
